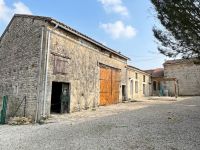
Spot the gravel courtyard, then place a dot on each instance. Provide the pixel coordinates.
(160, 124)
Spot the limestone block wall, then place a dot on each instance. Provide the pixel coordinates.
(188, 76)
(19, 64)
(170, 87)
(132, 93)
(81, 69)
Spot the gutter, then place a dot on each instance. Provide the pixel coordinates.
(88, 39)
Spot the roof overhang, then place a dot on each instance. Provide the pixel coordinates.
(137, 69)
(67, 28)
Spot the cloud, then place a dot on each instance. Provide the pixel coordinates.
(115, 6)
(7, 12)
(119, 30)
(21, 8)
(4, 11)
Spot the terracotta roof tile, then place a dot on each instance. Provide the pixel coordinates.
(158, 72)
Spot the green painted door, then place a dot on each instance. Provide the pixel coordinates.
(3, 110)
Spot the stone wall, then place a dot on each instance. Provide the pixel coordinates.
(188, 76)
(24, 50)
(19, 64)
(132, 93)
(81, 69)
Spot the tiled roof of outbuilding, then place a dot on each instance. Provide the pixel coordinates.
(158, 72)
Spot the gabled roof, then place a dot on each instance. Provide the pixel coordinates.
(156, 73)
(137, 69)
(71, 30)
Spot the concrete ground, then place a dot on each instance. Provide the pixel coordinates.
(156, 123)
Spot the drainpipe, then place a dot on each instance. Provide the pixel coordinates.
(126, 95)
(46, 73)
(39, 78)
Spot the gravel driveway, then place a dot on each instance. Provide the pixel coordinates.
(158, 124)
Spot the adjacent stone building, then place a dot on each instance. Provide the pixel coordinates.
(157, 76)
(138, 83)
(187, 74)
(179, 77)
(40, 57)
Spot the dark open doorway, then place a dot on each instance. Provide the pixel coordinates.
(60, 97)
(55, 97)
(123, 92)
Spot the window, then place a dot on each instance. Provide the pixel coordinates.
(144, 78)
(154, 85)
(60, 65)
(136, 75)
(144, 89)
(136, 86)
(131, 87)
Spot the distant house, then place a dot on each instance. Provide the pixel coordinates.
(157, 76)
(187, 74)
(178, 77)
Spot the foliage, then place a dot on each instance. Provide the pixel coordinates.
(180, 34)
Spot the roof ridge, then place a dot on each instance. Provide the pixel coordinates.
(74, 31)
(138, 69)
(175, 61)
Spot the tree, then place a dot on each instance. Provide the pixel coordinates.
(180, 31)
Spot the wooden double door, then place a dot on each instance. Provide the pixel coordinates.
(110, 79)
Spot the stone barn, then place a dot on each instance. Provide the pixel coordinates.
(41, 57)
(187, 74)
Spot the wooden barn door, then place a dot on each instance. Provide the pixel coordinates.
(109, 85)
(115, 86)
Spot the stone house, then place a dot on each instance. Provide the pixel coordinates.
(157, 76)
(138, 83)
(40, 57)
(159, 83)
(179, 77)
(187, 74)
